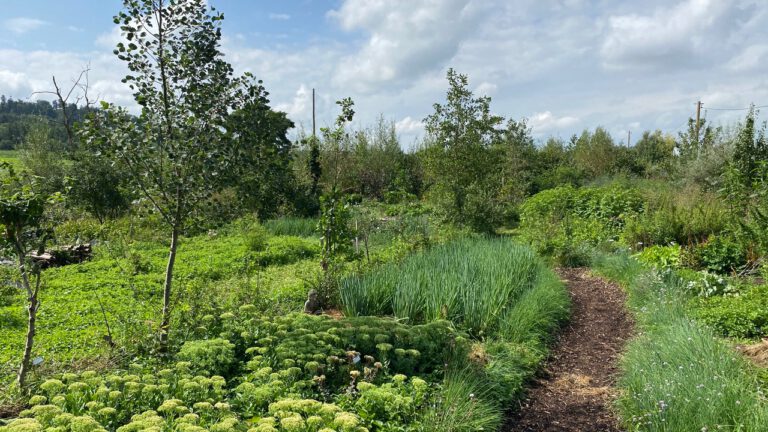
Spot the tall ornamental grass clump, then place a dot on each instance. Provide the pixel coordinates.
(474, 283)
(677, 375)
(292, 226)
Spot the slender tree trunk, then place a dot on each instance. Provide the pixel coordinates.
(32, 307)
(165, 326)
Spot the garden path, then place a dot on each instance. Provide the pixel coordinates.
(575, 390)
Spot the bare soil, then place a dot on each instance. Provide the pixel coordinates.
(575, 389)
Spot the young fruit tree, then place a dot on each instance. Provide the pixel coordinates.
(22, 215)
(178, 151)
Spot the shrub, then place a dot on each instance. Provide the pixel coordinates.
(720, 254)
(256, 238)
(215, 356)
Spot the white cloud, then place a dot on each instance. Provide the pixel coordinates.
(754, 57)
(12, 81)
(25, 73)
(279, 16)
(486, 89)
(409, 126)
(546, 122)
(406, 38)
(23, 25)
(680, 35)
(300, 106)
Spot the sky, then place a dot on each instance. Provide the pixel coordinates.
(564, 65)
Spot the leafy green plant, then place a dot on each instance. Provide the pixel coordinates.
(663, 257)
(214, 356)
(720, 254)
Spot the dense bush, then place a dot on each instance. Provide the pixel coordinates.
(560, 222)
(720, 254)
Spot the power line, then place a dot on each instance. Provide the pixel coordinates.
(736, 109)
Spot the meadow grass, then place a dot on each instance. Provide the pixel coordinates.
(121, 286)
(292, 226)
(677, 375)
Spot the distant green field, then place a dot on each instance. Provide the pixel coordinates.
(10, 156)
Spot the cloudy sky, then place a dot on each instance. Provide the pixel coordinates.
(565, 65)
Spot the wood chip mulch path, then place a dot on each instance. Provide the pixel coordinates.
(575, 390)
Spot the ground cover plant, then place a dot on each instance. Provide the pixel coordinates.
(243, 370)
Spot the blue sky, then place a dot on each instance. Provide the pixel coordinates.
(565, 65)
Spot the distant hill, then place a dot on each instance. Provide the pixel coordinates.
(17, 117)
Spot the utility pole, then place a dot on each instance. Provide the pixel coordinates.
(629, 137)
(698, 119)
(698, 122)
(314, 129)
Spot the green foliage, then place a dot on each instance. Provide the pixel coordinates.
(742, 316)
(335, 233)
(97, 187)
(662, 257)
(558, 222)
(750, 149)
(459, 157)
(256, 238)
(683, 378)
(214, 356)
(720, 254)
(461, 394)
(43, 156)
(264, 183)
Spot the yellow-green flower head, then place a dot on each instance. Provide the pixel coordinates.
(88, 374)
(37, 400)
(24, 425)
(69, 377)
(346, 421)
(107, 412)
(77, 387)
(85, 423)
(222, 406)
(202, 406)
(293, 424)
(52, 386)
(94, 405)
(189, 418)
